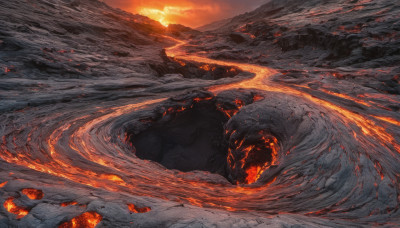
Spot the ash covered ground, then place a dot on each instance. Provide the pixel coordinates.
(287, 116)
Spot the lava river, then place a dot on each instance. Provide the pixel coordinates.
(288, 152)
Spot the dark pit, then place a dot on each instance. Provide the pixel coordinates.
(191, 132)
(189, 140)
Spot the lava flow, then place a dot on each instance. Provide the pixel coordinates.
(116, 121)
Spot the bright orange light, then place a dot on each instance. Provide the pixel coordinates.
(11, 207)
(86, 220)
(71, 203)
(156, 15)
(33, 194)
(164, 16)
(134, 209)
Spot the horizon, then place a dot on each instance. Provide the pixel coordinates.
(189, 13)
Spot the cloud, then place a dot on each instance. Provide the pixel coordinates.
(192, 13)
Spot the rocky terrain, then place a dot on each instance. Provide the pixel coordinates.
(287, 116)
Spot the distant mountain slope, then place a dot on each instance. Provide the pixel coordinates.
(339, 33)
(214, 26)
(70, 37)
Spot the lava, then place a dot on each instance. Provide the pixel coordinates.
(326, 149)
(11, 207)
(248, 160)
(33, 194)
(134, 209)
(207, 67)
(368, 126)
(86, 220)
(71, 203)
(3, 184)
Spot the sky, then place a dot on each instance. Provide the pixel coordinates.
(193, 13)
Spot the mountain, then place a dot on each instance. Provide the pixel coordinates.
(323, 33)
(214, 26)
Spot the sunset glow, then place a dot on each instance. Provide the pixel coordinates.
(165, 16)
(186, 12)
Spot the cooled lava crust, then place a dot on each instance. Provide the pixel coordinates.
(287, 116)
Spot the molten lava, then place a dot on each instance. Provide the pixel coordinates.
(134, 209)
(3, 184)
(11, 207)
(248, 159)
(66, 204)
(33, 194)
(86, 220)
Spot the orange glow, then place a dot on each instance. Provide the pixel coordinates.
(66, 204)
(177, 13)
(192, 13)
(136, 209)
(207, 67)
(258, 98)
(389, 120)
(180, 62)
(33, 194)
(262, 81)
(252, 174)
(113, 178)
(254, 171)
(198, 99)
(3, 184)
(11, 207)
(157, 15)
(347, 97)
(86, 220)
(81, 143)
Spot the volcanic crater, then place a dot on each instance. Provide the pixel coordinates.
(286, 116)
(189, 132)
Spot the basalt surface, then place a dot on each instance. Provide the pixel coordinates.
(286, 116)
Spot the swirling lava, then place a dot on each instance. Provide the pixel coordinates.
(324, 160)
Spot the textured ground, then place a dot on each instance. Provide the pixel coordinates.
(287, 116)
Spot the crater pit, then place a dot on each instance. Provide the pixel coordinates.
(189, 133)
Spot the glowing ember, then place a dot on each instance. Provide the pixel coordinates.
(252, 174)
(66, 204)
(11, 207)
(389, 120)
(257, 98)
(249, 159)
(33, 194)
(86, 220)
(207, 67)
(113, 178)
(257, 161)
(136, 209)
(198, 99)
(3, 184)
